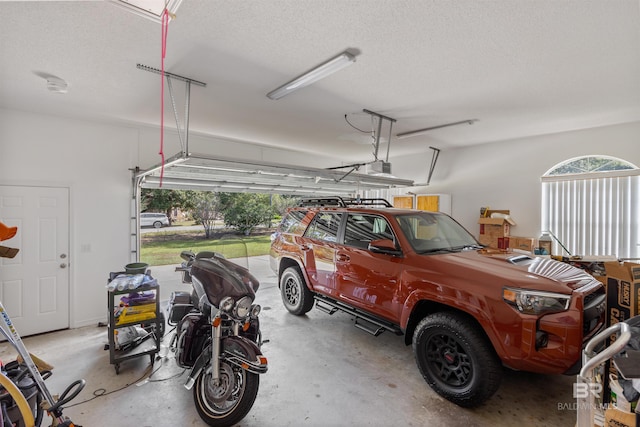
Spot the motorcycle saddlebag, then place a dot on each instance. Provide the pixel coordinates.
(193, 331)
(179, 305)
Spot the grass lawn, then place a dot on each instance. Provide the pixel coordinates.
(164, 247)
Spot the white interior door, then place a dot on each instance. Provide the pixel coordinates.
(34, 286)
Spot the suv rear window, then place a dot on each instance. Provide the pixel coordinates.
(292, 222)
(325, 226)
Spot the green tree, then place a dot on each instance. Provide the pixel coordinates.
(206, 209)
(281, 202)
(161, 200)
(245, 211)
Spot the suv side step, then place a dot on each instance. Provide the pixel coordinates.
(329, 310)
(372, 325)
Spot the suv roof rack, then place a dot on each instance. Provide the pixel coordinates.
(343, 202)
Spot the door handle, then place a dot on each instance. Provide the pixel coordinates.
(63, 265)
(343, 257)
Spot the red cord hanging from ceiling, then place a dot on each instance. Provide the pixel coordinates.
(165, 27)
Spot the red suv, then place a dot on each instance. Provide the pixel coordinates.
(466, 310)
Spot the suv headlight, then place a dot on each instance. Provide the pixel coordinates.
(535, 302)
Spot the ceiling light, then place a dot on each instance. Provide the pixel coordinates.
(151, 9)
(321, 71)
(425, 130)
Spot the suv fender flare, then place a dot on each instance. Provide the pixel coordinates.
(420, 300)
(286, 262)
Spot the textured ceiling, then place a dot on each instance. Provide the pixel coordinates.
(521, 68)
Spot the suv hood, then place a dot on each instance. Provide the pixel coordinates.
(518, 270)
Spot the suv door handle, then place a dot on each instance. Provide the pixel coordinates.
(343, 257)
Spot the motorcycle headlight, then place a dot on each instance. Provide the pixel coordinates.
(226, 304)
(255, 310)
(243, 307)
(536, 302)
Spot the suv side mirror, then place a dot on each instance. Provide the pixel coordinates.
(384, 246)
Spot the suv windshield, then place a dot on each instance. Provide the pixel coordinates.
(431, 233)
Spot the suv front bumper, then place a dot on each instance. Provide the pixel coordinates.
(553, 343)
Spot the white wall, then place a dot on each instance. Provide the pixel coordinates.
(506, 175)
(92, 160)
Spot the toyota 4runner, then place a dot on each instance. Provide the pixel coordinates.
(466, 310)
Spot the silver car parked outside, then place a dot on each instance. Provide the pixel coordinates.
(152, 219)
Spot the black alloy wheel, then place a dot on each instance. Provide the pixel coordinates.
(456, 359)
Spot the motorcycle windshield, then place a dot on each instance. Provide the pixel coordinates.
(221, 278)
(232, 248)
(223, 270)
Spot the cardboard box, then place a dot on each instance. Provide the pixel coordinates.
(523, 243)
(623, 298)
(503, 242)
(614, 417)
(623, 291)
(492, 229)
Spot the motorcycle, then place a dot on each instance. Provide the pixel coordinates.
(217, 336)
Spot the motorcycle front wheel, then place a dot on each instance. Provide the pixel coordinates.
(228, 402)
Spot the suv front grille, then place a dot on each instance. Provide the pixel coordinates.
(594, 312)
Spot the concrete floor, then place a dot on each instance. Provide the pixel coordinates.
(322, 372)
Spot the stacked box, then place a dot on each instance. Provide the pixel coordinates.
(623, 291)
(523, 243)
(623, 300)
(493, 229)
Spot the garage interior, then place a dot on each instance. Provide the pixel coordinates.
(474, 102)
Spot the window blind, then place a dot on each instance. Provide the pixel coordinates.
(593, 214)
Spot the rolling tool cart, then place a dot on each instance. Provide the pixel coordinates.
(136, 324)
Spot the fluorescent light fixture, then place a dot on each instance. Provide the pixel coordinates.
(425, 130)
(150, 9)
(321, 71)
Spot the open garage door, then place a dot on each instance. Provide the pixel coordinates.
(219, 174)
(207, 173)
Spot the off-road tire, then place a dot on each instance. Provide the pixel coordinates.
(296, 297)
(456, 359)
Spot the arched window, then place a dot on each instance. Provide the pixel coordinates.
(591, 205)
